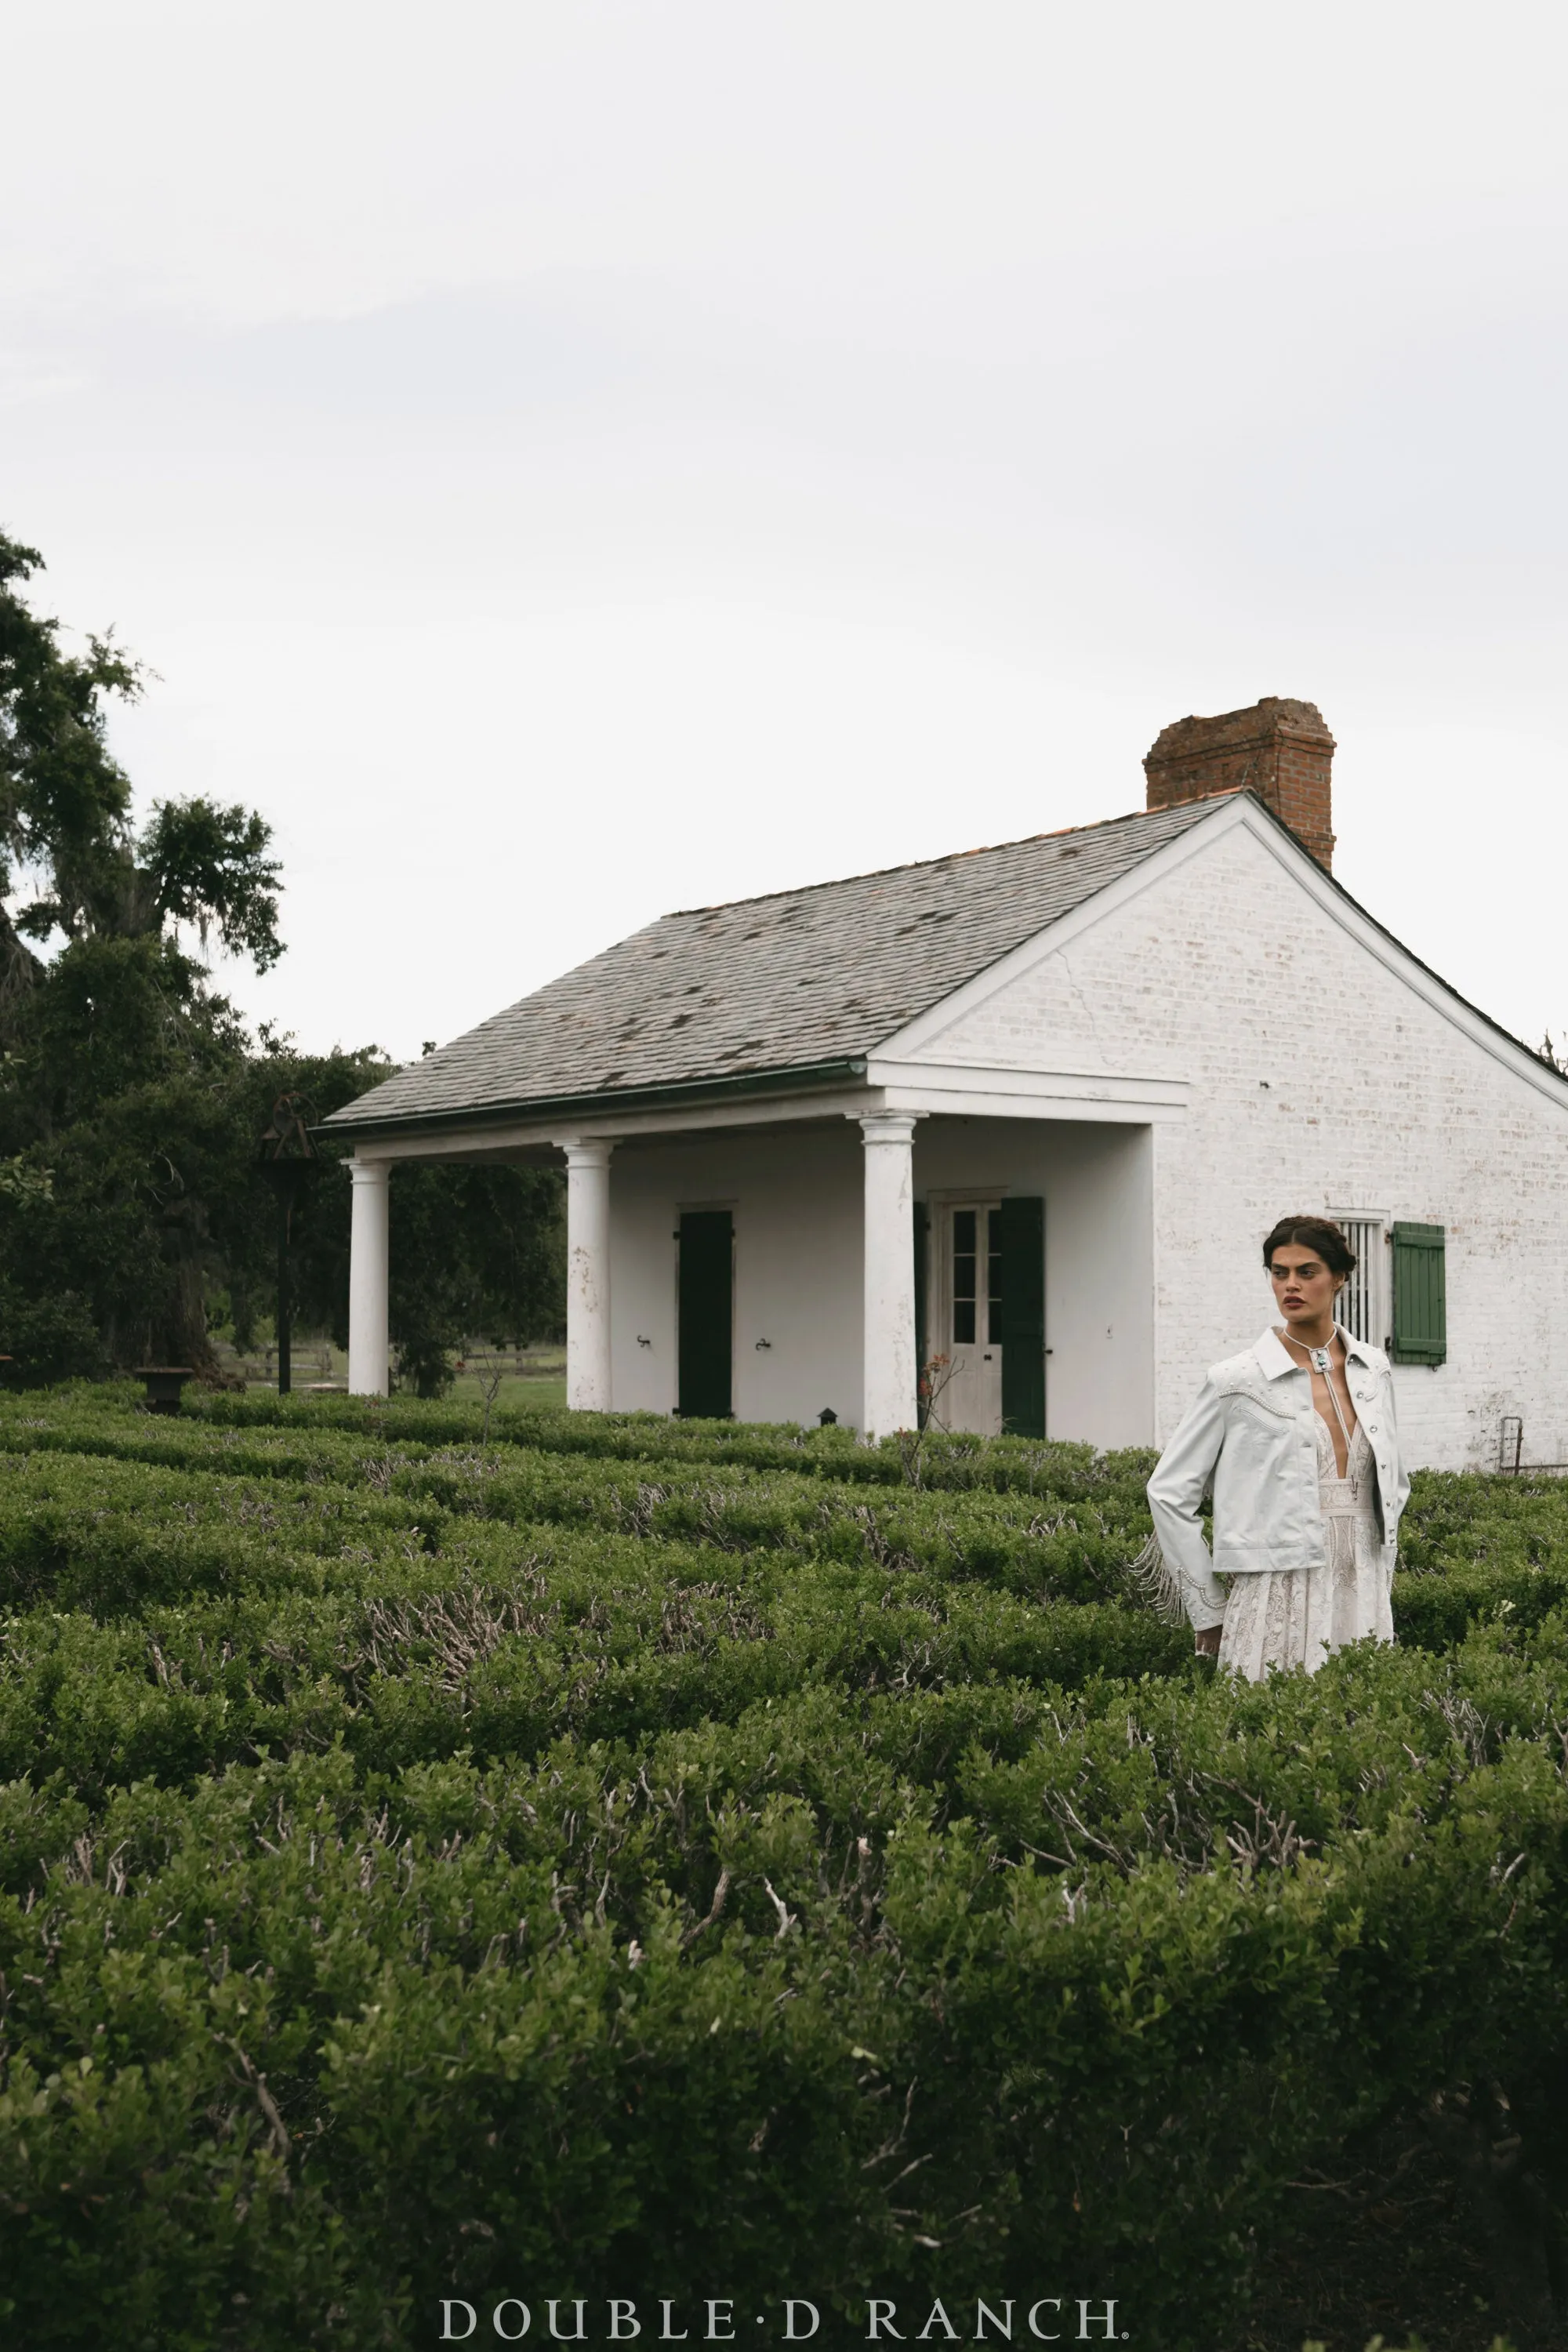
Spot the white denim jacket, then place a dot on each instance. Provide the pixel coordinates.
(1251, 1431)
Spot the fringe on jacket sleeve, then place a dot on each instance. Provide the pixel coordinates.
(1157, 1584)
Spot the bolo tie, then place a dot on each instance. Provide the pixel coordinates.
(1321, 1361)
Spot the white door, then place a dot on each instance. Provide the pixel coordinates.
(967, 1323)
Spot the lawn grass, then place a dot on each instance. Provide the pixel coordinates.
(536, 1393)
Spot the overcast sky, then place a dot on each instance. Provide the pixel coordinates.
(570, 461)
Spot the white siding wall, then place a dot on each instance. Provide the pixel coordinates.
(1318, 1079)
(1099, 1270)
(795, 1197)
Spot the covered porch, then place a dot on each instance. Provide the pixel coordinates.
(782, 1258)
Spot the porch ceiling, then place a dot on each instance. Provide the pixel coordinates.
(922, 1091)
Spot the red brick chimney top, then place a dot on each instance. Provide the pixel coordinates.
(1277, 749)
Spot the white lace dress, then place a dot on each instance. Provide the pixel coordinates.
(1295, 1616)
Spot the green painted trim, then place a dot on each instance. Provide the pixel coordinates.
(687, 1090)
(1022, 1217)
(1420, 1293)
(705, 1315)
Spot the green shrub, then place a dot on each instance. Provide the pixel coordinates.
(52, 1338)
(433, 1870)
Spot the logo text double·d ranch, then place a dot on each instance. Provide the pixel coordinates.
(1050, 2319)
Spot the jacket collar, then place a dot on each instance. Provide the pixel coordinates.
(1273, 1358)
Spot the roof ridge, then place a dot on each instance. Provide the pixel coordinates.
(921, 864)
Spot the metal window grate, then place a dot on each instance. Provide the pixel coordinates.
(1361, 1309)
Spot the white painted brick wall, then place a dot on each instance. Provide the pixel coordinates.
(1320, 1080)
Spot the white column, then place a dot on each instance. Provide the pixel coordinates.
(889, 1368)
(588, 1275)
(368, 1231)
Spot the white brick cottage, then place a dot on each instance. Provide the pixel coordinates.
(1022, 1114)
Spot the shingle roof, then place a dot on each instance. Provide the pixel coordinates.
(790, 982)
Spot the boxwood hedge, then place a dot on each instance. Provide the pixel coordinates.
(620, 1857)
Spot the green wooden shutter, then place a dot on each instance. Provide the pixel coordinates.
(1023, 1316)
(922, 1232)
(1420, 1296)
(706, 1349)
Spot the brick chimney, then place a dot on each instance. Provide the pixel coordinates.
(1279, 749)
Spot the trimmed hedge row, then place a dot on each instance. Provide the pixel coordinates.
(426, 1873)
(947, 2014)
(425, 1667)
(108, 1531)
(98, 1415)
(57, 1510)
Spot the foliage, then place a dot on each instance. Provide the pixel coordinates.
(65, 805)
(207, 866)
(122, 1068)
(132, 1096)
(480, 1253)
(441, 1870)
(64, 801)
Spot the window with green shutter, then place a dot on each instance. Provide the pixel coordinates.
(705, 1296)
(1021, 1222)
(1420, 1295)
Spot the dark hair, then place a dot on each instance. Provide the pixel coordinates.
(1320, 1233)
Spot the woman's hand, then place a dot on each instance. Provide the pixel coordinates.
(1207, 1644)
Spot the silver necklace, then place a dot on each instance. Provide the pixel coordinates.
(1322, 1361)
(1320, 1358)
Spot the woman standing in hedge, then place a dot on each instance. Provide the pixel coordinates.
(1297, 1437)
